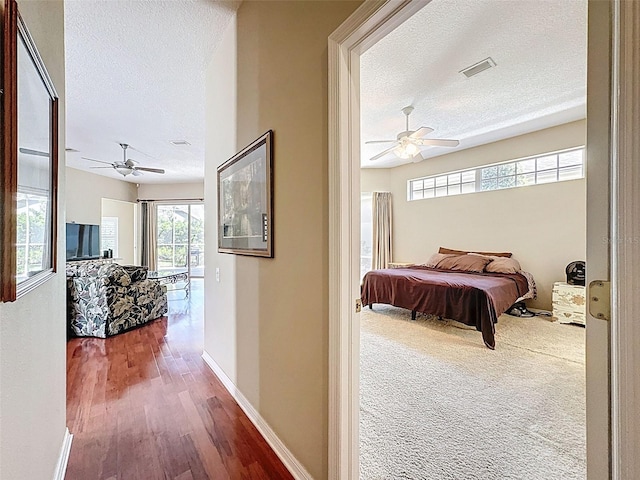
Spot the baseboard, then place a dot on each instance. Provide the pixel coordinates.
(290, 461)
(63, 459)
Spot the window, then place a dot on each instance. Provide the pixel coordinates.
(545, 168)
(31, 244)
(366, 233)
(109, 234)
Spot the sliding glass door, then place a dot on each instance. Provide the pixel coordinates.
(196, 240)
(180, 241)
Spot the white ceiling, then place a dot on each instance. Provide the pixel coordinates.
(135, 74)
(539, 81)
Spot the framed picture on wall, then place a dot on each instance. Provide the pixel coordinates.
(245, 200)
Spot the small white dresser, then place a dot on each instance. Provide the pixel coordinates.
(569, 303)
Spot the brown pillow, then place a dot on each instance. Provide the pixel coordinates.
(503, 265)
(463, 252)
(464, 263)
(435, 258)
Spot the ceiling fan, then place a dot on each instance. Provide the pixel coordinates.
(126, 166)
(408, 143)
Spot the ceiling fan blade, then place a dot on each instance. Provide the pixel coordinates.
(29, 151)
(421, 132)
(437, 142)
(94, 160)
(383, 153)
(136, 173)
(379, 141)
(145, 169)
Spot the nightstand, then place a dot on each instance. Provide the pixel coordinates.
(569, 303)
(399, 264)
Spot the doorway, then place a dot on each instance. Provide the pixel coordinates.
(180, 241)
(363, 29)
(118, 231)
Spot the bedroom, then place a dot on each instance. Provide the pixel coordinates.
(527, 107)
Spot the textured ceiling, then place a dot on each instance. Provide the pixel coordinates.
(539, 80)
(135, 74)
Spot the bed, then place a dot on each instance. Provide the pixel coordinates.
(475, 298)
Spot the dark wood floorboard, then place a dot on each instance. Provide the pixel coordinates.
(143, 405)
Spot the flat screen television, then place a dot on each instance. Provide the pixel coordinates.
(83, 241)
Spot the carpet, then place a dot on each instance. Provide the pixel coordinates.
(435, 403)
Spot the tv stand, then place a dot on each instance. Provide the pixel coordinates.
(95, 260)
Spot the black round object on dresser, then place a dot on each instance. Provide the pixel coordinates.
(576, 273)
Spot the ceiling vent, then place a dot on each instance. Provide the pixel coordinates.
(180, 143)
(71, 150)
(476, 68)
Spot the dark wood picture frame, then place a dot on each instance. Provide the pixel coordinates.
(245, 200)
(15, 35)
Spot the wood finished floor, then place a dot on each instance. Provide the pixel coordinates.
(144, 405)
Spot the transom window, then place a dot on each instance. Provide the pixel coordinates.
(545, 168)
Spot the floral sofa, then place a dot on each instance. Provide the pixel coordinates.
(107, 299)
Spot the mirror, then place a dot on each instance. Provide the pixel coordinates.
(30, 160)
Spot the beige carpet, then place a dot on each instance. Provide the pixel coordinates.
(437, 404)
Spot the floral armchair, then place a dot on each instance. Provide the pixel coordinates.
(107, 299)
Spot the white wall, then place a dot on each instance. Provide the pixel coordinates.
(85, 192)
(161, 191)
(267, 319)
(33, 328)
(127, 241)
(543, 225)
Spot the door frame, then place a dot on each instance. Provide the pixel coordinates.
(610, 24)
(366, 26)
(625, 240)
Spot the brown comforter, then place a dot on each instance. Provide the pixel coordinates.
(476, 299)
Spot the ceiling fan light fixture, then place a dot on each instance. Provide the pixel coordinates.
(399, 152)
(123, 170)
(411, 149)
(127, 166)
(407, 144)
(404, 152)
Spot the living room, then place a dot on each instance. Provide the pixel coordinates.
(91, 197)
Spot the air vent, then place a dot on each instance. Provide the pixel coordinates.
(71, 150)
(476, 68)
(180, 143)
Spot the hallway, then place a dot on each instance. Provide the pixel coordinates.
(144, 405)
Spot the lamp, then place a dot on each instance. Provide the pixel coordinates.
(123, 170)
(406, 150)
(411, 149)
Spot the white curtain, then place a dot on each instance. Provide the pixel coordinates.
(382, 231)
(149, 234)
